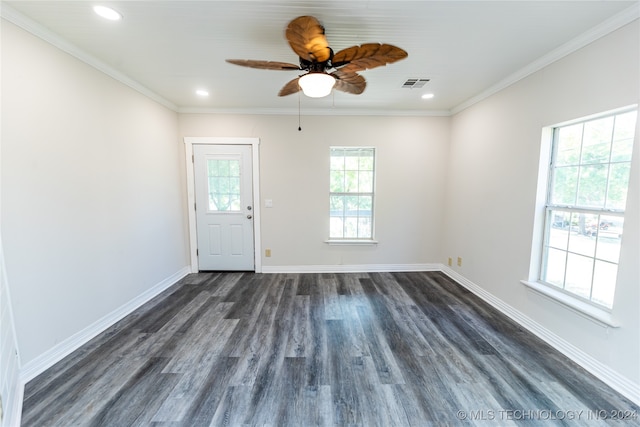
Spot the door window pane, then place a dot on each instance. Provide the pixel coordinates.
(224, 185)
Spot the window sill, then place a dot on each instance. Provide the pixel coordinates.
(600, 315)
(352, 242)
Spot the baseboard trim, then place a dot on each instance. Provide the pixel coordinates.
(32, 369)
(352, 268)
(613, 379)
(13, 414)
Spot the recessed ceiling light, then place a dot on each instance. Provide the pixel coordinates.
(428, 96)
(202, 92)
(107, 13)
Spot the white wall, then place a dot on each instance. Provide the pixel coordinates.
(491, 191)
(92, 197)
(294, 173)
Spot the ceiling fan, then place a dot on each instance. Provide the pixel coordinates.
(324, 69)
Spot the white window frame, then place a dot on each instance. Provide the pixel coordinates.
(356, 240)
(591, 310)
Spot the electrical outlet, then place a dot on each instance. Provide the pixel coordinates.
(450, 261)
(267, 253)
(459, 261)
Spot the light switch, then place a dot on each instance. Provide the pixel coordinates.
(268, 203)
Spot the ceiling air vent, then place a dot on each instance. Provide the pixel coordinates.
(414, 83)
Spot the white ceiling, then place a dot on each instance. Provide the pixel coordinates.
(467, 48)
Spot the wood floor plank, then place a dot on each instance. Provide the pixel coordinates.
(386, 366)
(232, 409)
(137, 400)
(299, 339)
(346, 408)
(317, 362)
(331, 349)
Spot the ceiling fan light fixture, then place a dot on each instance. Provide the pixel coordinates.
(107, 13)
(316, 85)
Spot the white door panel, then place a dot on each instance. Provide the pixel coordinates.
(224, 215)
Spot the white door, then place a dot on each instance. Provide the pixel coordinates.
(224, 212)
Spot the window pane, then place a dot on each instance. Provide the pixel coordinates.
(220, 202)
(351, 163)
(565, 186)
(337, 181)
(350, 181)
(592, 186)
(335, 227)
(618, 184)
(222, 185)
(555, 266)
(609, 238)
(351, 227)
(582, 239)
(234, 185)
(596, 143)
(621, 150)
(234, 203)
(625, 127)
(559, 231)
(223, 167)
(365, 203)
(568, 145)
(337, 162)
(366, 162)
(578, 277)
(336, 205)
(351, 205)
(364, 228)
(604, 283)
(234, 168)
(365, 182)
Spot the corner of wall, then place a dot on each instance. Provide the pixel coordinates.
(10, 386)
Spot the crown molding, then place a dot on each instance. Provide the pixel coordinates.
(617, 21)
(29, 25)
(314, 112)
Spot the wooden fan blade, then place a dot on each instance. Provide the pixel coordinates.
(367, 56)
(289, 88)
(306, 37)
(349, 82)
(263, 65)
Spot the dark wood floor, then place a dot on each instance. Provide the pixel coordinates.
(376, 349)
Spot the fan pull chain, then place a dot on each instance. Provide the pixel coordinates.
(299, 128)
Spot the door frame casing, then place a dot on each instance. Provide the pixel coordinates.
(189, 141)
